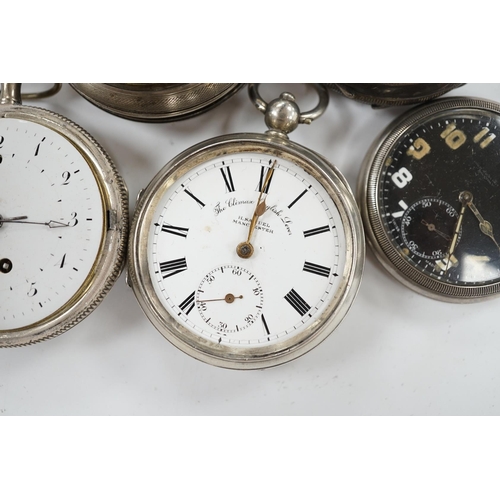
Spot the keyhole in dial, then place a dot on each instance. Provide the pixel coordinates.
(5, 266)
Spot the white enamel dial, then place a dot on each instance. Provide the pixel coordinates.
(52, 222)
(299, 250)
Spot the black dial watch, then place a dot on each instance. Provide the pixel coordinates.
(430, 196)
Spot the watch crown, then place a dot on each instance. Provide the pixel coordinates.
(283, 114)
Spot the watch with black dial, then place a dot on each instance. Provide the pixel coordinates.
(382, 95)
(430, 199)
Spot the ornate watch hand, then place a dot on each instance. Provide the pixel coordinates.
(432, 227)
(245, 249)
(463, 198)
(260, 208)
(229, 298)
(484, 225)
(22, 220)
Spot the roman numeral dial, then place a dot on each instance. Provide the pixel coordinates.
(239, 302)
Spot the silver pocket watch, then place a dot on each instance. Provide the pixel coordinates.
(63, 222)
(156, 102)
(247, 250)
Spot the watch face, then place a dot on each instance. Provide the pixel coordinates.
(433, 202)
(53, 208)
(236, 305)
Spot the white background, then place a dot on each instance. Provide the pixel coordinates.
(395, 353)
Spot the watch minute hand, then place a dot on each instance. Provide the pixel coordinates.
(485, 226)
(22, 220)
(260, 208)
(245, 249)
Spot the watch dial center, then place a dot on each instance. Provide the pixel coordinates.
(5, 266)
(244, 250)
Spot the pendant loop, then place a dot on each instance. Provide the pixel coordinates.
(306, 117)
(11, 93)
(43, 93)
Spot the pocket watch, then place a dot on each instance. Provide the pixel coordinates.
(156, 102)
(63, 222)
(247, 250)
(381, 95)
(429, 195)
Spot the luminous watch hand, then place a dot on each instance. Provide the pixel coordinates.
(463, 198)
(432, 227)
(484, 225)
(245, 249)
(229, 298)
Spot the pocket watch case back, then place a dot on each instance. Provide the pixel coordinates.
(156, 102)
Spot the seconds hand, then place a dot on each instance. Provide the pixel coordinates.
(229, 298)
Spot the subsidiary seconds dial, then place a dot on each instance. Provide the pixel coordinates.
(229, 299)
(427, 228)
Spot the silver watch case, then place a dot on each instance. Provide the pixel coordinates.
(248, 357)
